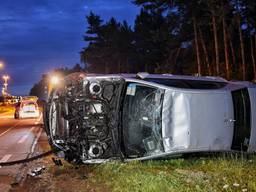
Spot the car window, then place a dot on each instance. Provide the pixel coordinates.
(141, 120)
(189, 84)
(29, 104)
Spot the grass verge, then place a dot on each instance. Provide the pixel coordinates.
(204, 174)
(195, 174)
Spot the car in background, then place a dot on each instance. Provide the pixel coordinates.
(26, 109)
(96, 118)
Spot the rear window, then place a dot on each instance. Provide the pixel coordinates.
(29, 104)
(25, 104)
(189, 84)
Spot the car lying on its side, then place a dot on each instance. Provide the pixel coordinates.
(26, 108)
(93, 119)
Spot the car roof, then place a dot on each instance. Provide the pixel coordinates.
(181, 77)
(162, 76)
(145, 76)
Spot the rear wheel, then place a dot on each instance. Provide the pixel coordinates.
(16, 116)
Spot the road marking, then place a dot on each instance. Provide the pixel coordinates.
(35, 142)
(26, 136)
(23, 139)
(5, 158)
(9, 129)
(32, 129)
(40, 117)
(5, 131)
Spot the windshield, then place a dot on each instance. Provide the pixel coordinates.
(141, 120)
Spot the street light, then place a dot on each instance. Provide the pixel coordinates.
(1, 65)
(55, 80)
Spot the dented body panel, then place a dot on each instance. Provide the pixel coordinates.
(197, 121)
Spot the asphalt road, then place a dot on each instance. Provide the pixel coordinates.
(19, 139)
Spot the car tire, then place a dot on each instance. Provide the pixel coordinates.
(15, 116)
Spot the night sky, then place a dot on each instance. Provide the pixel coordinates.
(37, 36)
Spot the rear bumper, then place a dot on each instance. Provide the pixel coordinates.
(29, 114)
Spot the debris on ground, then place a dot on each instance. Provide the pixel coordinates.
(57, 162)
(236, 184)
(37, 171)
(225, 186)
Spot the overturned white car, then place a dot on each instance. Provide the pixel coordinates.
(92, 119)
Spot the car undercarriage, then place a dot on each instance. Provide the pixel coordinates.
(83, 119)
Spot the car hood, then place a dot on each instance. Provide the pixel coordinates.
(200, 120)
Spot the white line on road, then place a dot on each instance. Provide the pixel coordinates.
(23, 139)
(5, 131)
(32, 129)
(40, 117)
(9, 129)
(35, 142)
(25, 136)
(5, 158)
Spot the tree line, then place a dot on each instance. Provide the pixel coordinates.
(40, 89)
(204, 37)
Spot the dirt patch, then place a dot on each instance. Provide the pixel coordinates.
(64, 178)
(5, 183)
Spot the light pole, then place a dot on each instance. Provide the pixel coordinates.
(5, 78)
